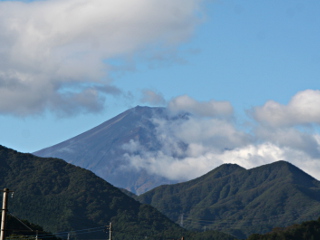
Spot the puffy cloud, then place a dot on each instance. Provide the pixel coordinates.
(214, 134)
(249, 156)
(303, 108)
(190, 146)
(193, 144)
(152, 98)
(291, 138)
(206, 109)
(53, 53)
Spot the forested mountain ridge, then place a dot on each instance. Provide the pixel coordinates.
(64, 198)
(240, 201)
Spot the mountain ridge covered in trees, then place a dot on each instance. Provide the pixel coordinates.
(239, 201)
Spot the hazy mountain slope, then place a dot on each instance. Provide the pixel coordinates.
(241, 201)
(101, 149)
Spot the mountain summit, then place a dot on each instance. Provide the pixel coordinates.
(102, 149)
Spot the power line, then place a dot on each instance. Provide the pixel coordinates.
(256, 219)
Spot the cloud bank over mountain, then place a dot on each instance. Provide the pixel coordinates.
(54, 53)
(206, 139)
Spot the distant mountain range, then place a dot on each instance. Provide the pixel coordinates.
(101, 148)
(63, 199)
(239, 201)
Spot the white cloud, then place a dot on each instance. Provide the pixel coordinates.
(190, 147)
(248, 157)
(206, 109)
(195, 144)
(209, 133)
(52, 45)
(291, 138)
(302, 109)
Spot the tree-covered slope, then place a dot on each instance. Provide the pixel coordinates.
(309, 230)
(64, 198)
(240, 201)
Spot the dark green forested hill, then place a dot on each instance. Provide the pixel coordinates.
(63, 198)
(240, 201)
(309, 230)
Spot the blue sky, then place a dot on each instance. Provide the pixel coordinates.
(67, 66)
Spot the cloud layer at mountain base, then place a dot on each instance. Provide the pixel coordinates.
(54, 53)
(193, 146)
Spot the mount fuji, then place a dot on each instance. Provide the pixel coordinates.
(104, 149)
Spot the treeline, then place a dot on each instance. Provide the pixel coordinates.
(309, 230)
(23, 229)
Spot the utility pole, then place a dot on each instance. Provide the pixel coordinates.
(4, 212)
(181, 220)
(110, 231)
